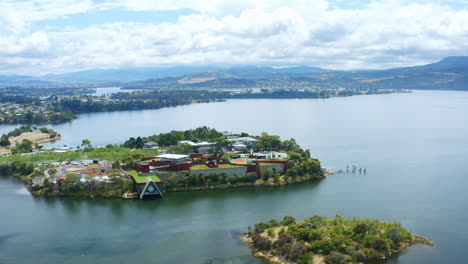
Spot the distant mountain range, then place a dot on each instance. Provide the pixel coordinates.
(451, 73)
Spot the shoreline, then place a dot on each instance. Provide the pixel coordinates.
(272, 255)
(258, 183)
(319, 259)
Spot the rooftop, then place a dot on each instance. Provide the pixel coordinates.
(172, 156)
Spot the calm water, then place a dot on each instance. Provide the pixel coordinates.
(414, 146)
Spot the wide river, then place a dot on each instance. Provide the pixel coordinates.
(414, 146)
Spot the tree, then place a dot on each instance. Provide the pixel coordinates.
(267, 174)
(4, 141)
(86, 143)
(380, 245)
(25, 147)
(395, 235)
(220, 143)
(288, 220)
(336, 258)
(268, 142)
(181, 149)
(139, 144)
(116, 165)
(261, 243)
(130, 159)
(290, 145)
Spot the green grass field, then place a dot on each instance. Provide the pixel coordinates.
(204, 167)
(101, 154)
(142, 179)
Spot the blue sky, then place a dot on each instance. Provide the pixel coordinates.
(54, 36)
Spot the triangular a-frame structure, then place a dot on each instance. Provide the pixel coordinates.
(150, 189)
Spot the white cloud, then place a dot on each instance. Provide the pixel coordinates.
(382, 34)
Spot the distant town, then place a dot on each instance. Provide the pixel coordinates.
(47, 107)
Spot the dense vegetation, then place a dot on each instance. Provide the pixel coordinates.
(117, 186)
(37, 91)
(17, 168)
(199, 134)
(88, 105)
(194, 180)
(108, 153)
(41, 117)
(341, 241)
(207, 95)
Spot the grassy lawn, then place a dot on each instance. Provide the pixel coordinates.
(268, 164)
(204, 167)
(142, 179)
(101, 154)
(199, 167)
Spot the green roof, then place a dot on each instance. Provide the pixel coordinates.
(142, 179)
(204, 167)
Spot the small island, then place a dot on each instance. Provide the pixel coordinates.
(328, 240)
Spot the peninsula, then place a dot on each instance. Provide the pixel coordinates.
(193, 160)
(25, 138)
(328, 240)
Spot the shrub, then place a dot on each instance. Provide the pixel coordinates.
(261, 243)
(260, 227)
(305, 258)
(380, 245)
(337, 258)
(271, 232)
(395, 236)
(361, 228)
(284, 239)
(296, 251)
(288, 220)
(274, 223)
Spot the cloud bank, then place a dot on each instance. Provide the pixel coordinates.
(380, 34)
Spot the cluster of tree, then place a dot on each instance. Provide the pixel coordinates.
(88, 105)
(198, 134)
(26, 146)
(133, 143)
(309, 167)
(271, 173)
(29, 117)
(340, 240)
(197, 95)
(18, 99)
(117, 186)
(203, 94)
(176, 181)
(17, 168)
(172, 138)
(34, 92)
(14, 133)
(51, 132)
(273, 142)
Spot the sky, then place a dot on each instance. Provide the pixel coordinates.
(56, 36)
